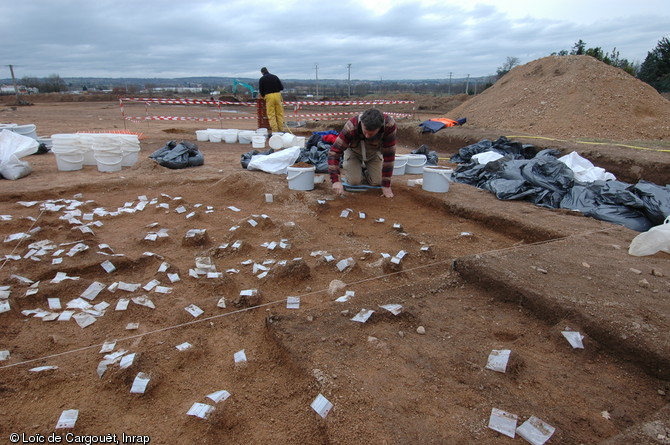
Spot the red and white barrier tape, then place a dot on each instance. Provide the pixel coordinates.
(253, 104)
(350, 102)
(152, 100)
(297, 105)
(181, 118)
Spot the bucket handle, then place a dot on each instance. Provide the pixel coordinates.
(108, 163)
(447, 174)
(299, 172)
(444, 173)
(417, 165)
(72, 161)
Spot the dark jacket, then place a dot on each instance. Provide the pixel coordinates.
(269, 83)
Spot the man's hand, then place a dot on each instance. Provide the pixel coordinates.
(338, 188)
(386, 191)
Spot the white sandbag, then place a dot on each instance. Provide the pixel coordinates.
(12, 147)
(584, 170)
(654, 240)
(276, 163)
(486, 157)
(14, 168)
(16, 144)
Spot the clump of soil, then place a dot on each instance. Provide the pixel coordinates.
(573, 97)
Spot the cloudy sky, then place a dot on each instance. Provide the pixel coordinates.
(300, 39)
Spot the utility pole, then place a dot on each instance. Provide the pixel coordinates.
(349, 78)
(467, 84)
(16, 88)
(316, 68)
(449, 83)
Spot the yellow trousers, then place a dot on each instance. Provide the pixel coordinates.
(275, 109)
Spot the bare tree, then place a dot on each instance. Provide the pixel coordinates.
(506, 67)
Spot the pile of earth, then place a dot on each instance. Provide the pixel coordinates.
(570, 97)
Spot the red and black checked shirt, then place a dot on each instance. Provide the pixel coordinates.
(351, 136)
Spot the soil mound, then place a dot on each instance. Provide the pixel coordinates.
(571, 97)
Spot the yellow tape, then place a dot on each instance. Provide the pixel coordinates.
(592, 143)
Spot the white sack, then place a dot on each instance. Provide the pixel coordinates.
(486, 157)
(276, 163)
(653, 240)
(12, 147)
(584, 170)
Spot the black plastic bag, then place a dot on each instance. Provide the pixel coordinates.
(502, 145)
(316, 155)
(656, 200)
(549, 173)
(431, 155)
(178, 155)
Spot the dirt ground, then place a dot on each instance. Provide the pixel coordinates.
(479, 275)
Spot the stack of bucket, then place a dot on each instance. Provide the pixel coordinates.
(130, 147)
(258, 141)
(215, 135)
(230, 136)
(69, 154)
(202, 135)
(108, 151)
(257, 138)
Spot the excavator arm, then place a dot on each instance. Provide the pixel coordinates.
(251, 89)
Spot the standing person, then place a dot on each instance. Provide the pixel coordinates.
(367, 143)
(270, 88)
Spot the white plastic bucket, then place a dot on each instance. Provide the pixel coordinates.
(28, 130)
(436, 179)
(288, 140)
(67, 162)
(202, 135)
(68, 151)
(299, 141)
(89, 156)
(300, 178)
(399, 165)
(130, 153)
(65, 141)
(108, 161)
(244, 137)
(104, 142)
(415, 164)
(262, 131)
(215, 135)
(258, 141)
(230, 136)
(129, 158)
(85, 142)
(276, 142)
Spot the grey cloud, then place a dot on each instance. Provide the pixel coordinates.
(167, 38)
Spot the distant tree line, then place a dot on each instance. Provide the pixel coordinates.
(51, 84)
(613, 59)
(655, 70)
